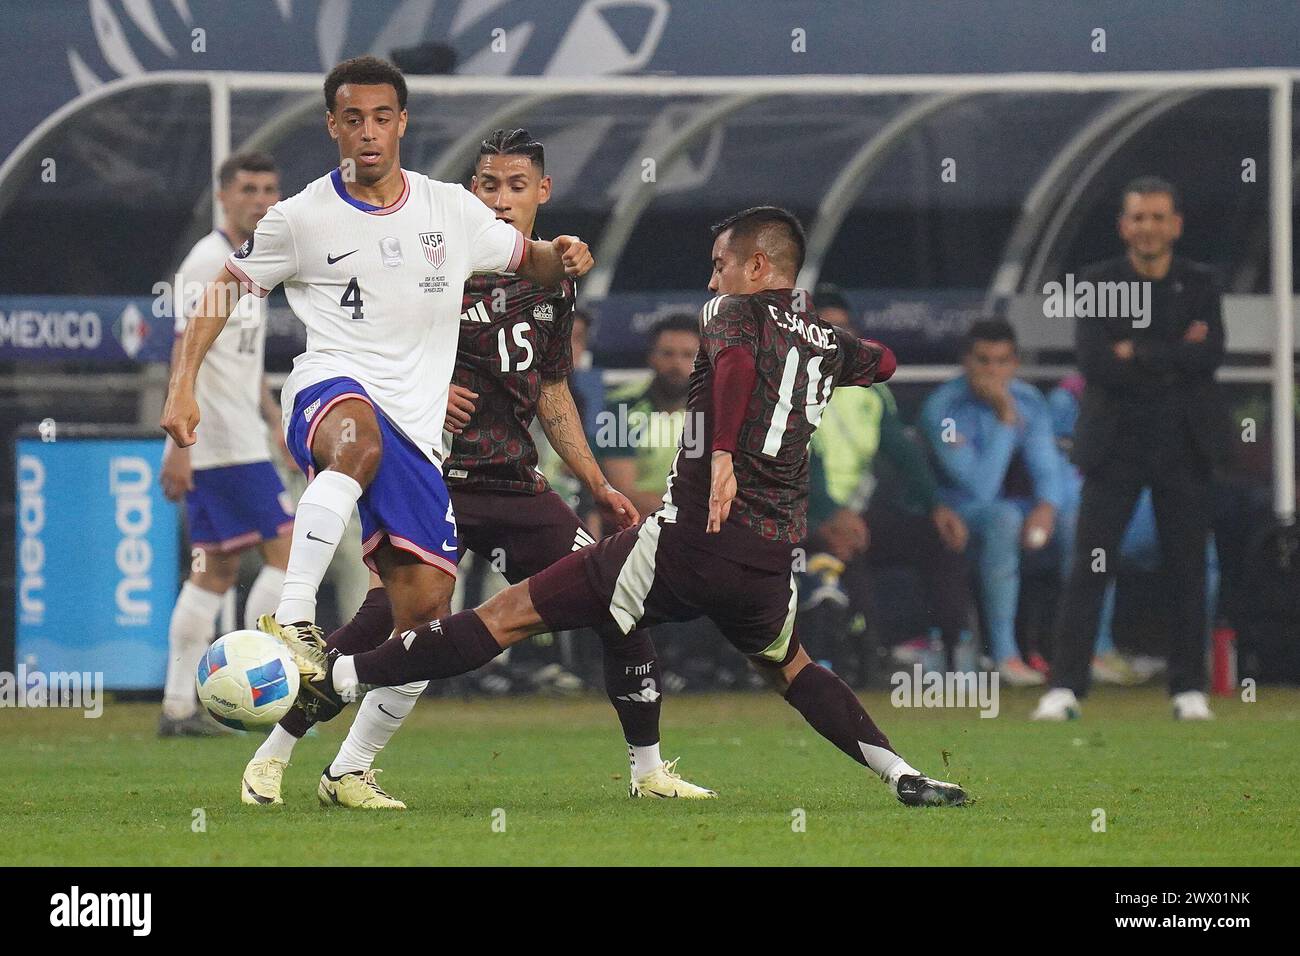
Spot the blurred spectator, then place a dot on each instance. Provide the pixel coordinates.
(854, 531)
(1000, 470)
(1139, 548)
(638, 431)
(1149, 417)
(587, 382)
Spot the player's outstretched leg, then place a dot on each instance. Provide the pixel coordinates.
(261, 783)
(438, 649)
(835, 712)
(632, 681)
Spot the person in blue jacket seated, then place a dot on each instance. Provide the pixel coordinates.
(999, 468)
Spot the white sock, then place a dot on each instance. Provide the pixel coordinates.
(264, 595)
(193, 627)
(279, 743)
(888, 764)
(644, 759)
(380, 714)
(323, 512)
(344, 678)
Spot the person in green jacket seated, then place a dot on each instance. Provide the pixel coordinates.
(853, 532)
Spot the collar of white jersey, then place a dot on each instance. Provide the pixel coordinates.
(336, 178)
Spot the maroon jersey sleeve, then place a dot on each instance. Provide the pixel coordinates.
(556, 360)
(865, 360)
(725, 322)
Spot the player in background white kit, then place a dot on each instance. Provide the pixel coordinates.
(233, 495)
(373, 259)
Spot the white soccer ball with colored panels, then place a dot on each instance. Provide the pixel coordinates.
(247, 679)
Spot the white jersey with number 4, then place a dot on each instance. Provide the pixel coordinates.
(379, 289)
(229, 386)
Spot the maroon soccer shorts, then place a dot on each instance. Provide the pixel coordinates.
(519, 534)
(647, 575)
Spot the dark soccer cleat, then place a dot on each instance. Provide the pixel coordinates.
(918, 790)
(317, 697)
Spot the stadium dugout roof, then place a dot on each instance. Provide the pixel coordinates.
(829, 146)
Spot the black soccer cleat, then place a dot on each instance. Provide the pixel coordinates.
(918, 790)
(317, 697)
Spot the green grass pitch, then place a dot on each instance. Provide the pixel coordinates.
(106, 791)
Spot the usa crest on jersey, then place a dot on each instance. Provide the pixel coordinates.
(435, 248)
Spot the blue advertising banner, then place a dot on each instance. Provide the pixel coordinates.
(98, 549)
(112, 328)
(47, 328)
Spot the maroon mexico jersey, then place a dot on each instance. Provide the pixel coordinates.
(799, 360)
(514, 336)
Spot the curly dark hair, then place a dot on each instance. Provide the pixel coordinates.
(365, 71)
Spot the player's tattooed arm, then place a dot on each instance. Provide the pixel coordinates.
(547, 263)
(563, 427)
(181, 412)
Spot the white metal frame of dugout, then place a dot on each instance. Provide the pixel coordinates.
(1152, 93)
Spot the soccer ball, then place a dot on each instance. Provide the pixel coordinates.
(247, 679)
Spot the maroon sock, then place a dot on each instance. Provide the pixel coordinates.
(369, 627)
(445, 648)
(633, 682)
(296, 722)
(835, 712)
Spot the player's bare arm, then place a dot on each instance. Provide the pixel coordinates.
(177, 474)
(548, 261)
(563, 427)
(180, 414)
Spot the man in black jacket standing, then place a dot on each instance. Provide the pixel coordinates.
(1149, 418)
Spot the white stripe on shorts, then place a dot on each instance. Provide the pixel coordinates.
(636, 577)
(777, 650)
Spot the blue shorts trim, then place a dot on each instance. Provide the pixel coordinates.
(235, 507)
(406, 504)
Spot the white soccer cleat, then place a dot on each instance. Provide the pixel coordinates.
(261, 784)
(1059, 703)
(1192, 705)
(664, 782)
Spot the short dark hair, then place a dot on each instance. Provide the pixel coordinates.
(769, 226)
(1147, 185)
(827, 296)
(677, 322)
(514, 142)
(250, 162)
(989, 330)
(365, 71)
